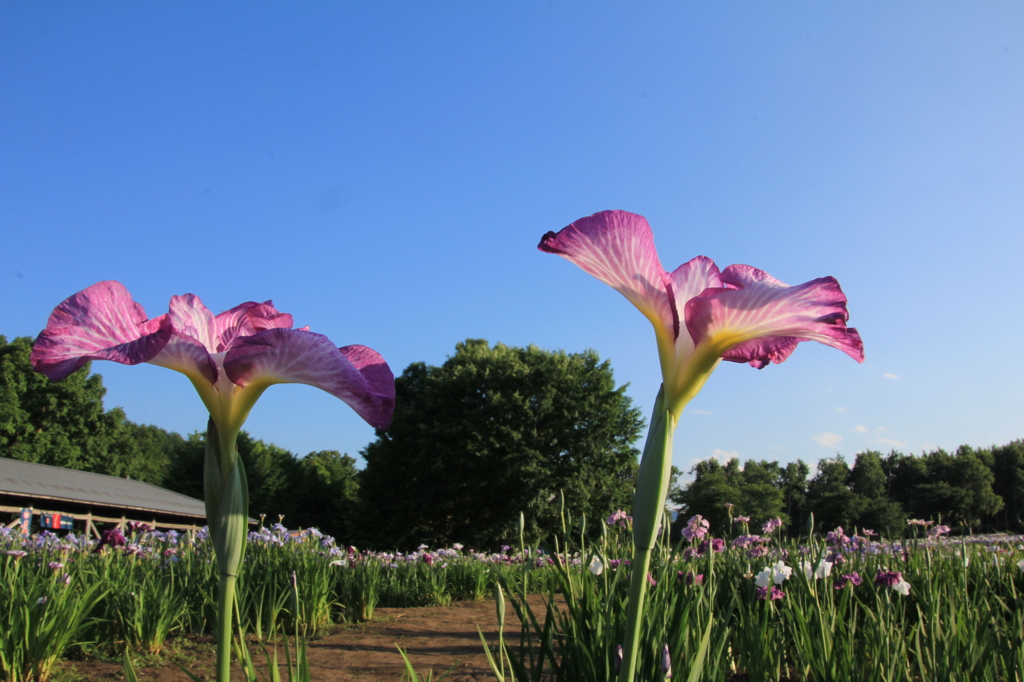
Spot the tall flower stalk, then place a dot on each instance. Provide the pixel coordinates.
(701, 316)
(230, 358)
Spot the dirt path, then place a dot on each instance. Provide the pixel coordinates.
(435, 638)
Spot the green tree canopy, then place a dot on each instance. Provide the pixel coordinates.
(493, 432)
(325, 491)
(869, 482)
(759, 489)
(714, 486)
(1008, 470)
(794, 491)
(64, 423)
(318, 490)
(830, 498)
(761, 495)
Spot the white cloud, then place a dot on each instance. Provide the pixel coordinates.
(701, 412)
(842, 409)
(889, 375)
(828, 439)
(860, 428)
(890, 442)
(882, 429)
(722, 456)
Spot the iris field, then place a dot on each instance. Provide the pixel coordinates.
(752, 606)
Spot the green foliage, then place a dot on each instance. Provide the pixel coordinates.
(869, 483)
(58, 593)
(761, 490)
(325, 492)
(43, 614)
(319, 490)
(959, 486)
(761, 493)
(829, 496)
(493, 431)
(64, 423)
(960, 620)
(970, 488)
(713, 487)
(972, 471)
(794, 492)
(1008, 469)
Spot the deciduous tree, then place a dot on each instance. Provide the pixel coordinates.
(493, 432)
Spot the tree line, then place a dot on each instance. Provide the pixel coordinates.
(980, 488)
(491, 432)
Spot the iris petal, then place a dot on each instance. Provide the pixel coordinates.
(355, 374)
(101, 322)
(193, 319)
(185, 354)
(618, 248)
(761, 320)
(688, 281)
(194, 339)
(247, 319)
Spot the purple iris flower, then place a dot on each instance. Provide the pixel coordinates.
(701, 314)
(111, 538)
(764, 594)
(888, 578)
(230, 358)
(847, 579)
(690, 578)
(619, 517)
(696, 528)
(717, 545)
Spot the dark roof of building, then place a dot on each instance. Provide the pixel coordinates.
(44, 482)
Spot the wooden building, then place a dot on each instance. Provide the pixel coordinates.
(86, 499)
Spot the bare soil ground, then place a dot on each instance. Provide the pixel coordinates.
(435, 638)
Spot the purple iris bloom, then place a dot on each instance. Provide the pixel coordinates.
(111, 538)
(231, 358)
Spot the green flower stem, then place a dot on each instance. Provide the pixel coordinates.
(227, 512)
(225, 601)
(648, 507)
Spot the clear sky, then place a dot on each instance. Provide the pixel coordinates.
(383, 171)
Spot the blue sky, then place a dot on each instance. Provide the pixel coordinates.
(384, 171)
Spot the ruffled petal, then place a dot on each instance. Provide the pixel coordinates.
(380, 383)
(185, 354)
(689, 280)
(194, 339)
(356, 374)
(761, 320)
(618, 248)
(248, 319)
(98, 323)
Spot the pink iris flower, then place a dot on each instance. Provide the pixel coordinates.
(702, 315)
(231, 358)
